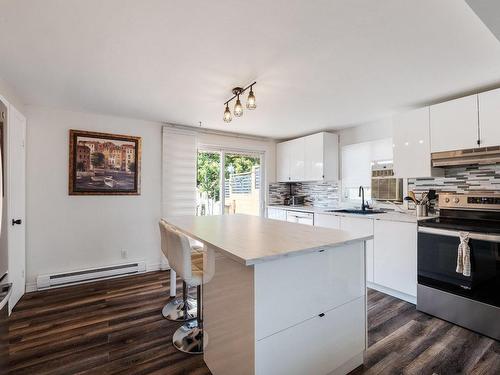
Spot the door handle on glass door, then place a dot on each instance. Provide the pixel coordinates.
(18, 222)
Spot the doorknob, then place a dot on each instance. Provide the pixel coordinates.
(18, 222)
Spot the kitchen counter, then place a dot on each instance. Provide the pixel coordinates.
(276, 288)
(251, 239)
(389, 215)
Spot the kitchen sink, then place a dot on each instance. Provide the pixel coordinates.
(358, 212)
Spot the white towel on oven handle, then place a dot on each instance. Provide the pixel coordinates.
(463, 258)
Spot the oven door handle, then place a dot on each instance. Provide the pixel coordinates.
(455, 233)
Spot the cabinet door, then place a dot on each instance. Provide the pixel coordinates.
(317, 346)
(314, 157)
(361, 226)
(296, 156)
(305, 286)
(327, 221)
(282, 162)
(396, 255)
(489, 118)
(454, 124)
(411, 139)
(276, 213)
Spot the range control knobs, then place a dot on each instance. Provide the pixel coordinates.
(447, 200)
(456, 200)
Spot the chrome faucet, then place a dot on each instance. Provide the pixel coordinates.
(361, 194)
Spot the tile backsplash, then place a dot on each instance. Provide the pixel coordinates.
(461, 180)
(318, 194)
(484, 178)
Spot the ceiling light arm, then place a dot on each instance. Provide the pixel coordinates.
(239, 91)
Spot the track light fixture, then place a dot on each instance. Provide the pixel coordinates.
(238, 108)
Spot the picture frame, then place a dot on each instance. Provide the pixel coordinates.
(104, 163)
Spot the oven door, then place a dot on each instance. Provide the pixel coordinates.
(437, 262)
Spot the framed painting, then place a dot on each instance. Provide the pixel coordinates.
(104, 164)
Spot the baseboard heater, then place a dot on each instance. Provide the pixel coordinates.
(88, 275)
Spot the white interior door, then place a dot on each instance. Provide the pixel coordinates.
(16, 206)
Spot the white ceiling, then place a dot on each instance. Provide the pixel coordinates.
(319, 64)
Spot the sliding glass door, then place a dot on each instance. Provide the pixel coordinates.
(242, 184)
(208, 198)
(229, 182)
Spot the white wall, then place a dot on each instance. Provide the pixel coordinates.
(366, 132)
(10, 95)
(363, 137)
(65, 232)
(72, 232)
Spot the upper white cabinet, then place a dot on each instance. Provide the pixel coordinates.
(297, 162)
(411, 145)
(290, 160)
(489, 118)
(311, 158)
(283, 161)
(454, 124)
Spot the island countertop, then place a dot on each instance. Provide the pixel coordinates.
(251, 239)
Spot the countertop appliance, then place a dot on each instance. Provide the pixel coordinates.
(469, 301)
(300, 217)
(297, 200)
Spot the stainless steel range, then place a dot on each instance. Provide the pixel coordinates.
(462, 285)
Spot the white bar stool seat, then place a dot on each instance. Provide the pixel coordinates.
(194, 268)
(183, 308)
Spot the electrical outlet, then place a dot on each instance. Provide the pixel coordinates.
(124, 254)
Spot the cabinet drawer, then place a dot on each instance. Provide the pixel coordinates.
(306, 285)
(316, 346)
(357, 225)
(327, 221)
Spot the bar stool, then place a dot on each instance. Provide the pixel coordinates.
(183, 308)
(189, 337)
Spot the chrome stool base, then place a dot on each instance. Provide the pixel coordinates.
(188, 338)
(174, 310)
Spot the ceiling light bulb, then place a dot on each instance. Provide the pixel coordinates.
(251, 104)
(238, 108)
(227, 114)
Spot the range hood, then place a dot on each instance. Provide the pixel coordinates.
(473, 156)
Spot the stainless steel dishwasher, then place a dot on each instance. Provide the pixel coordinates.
(5, 291)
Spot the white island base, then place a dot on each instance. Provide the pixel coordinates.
(303, 314)
(284, 298)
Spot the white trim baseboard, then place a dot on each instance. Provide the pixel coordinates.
(392, 292)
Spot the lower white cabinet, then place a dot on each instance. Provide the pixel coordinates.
(305, 286)
(362, 227)
(276, 213)
(391, 257)
(322, 341)
(395, 260)
(327, 221)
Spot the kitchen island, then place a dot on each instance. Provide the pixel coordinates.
(285, 298)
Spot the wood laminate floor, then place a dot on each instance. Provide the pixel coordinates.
(116, 327)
